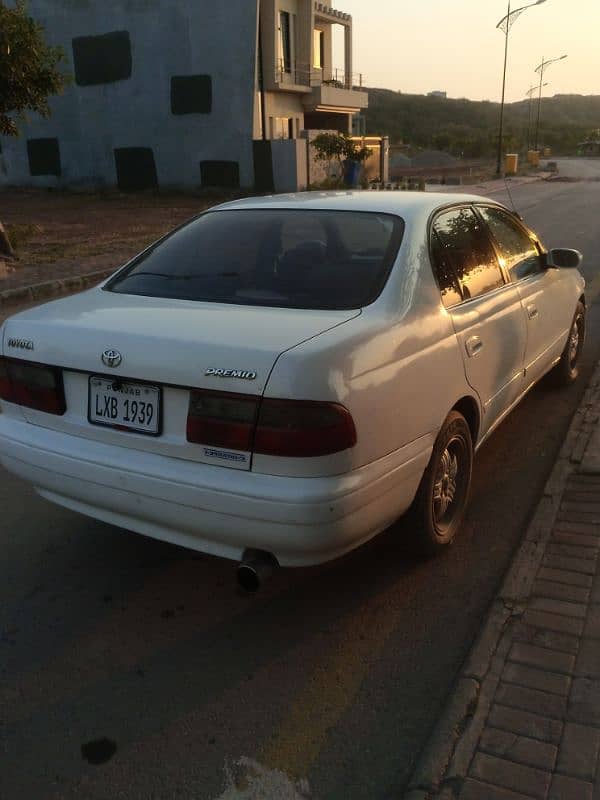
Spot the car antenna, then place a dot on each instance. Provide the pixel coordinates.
(512, 202)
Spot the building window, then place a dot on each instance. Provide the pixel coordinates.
(319, 49)
(359, 125)
(282, 128)
(285, 41)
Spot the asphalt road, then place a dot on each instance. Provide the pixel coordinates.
(145, 657)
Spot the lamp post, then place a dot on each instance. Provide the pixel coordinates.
(505, 25)
(529, 94)
(541, 68)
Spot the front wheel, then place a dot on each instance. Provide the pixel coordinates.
(567, 370)
(442, 496)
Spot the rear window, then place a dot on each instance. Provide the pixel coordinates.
(270, 257)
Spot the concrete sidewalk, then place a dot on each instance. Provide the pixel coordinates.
(524, 718)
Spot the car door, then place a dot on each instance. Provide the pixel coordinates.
(485, 309)
(545, 294)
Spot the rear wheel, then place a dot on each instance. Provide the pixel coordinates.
(442, 497)
(567, 370)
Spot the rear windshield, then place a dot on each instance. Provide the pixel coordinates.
(270, 257)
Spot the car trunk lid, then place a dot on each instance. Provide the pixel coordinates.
(173, 344)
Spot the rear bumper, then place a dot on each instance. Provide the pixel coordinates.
(302, 521)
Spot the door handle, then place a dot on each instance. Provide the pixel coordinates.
(474, 346)
(532, 311)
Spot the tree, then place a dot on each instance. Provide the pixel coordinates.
(29, 71)
(29, 74)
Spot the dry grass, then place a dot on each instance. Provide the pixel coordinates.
(58, 234)
(19, 234)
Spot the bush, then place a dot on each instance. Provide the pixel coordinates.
(339, 147)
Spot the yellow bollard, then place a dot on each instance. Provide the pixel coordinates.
(511, 163)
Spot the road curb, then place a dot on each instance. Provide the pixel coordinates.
(55, 288)
(489, 187)
(513, 182)
(444, 762)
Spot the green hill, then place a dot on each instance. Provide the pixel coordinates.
(470, 128)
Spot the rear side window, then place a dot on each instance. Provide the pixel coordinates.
(271, 257)
(445, 275)
(467, 250)
(518, 252)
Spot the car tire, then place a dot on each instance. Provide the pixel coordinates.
(443, 493)
(566, 371)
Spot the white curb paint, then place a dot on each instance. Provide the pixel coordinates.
(249, 780)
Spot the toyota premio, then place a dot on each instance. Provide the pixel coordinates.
(283, 377)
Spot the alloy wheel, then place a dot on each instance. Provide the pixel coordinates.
(450, 485)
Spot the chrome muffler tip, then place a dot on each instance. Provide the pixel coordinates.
(254, 569)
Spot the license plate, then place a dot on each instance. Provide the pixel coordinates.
(126, 406)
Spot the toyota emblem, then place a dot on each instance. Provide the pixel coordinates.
(111, 358)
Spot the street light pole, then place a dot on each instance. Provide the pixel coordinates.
(529, 94)
(500, 132)
(541, 68)
(505, 25)
(539, 108)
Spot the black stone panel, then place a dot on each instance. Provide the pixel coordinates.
(44, 156)
(191, 94)
(220, 173)
(135, 168)
(102, 59)
(263, 166)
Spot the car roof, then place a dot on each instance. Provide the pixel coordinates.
(404, 204)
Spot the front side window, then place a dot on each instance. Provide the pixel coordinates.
(468, 251)
(271, 257)
(518, 253)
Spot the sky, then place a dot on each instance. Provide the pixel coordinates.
(417, 46)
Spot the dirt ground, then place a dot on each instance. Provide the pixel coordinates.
(58, 234)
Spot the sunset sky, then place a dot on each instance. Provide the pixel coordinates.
(417, 46)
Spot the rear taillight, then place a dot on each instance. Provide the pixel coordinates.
(302, 428)
(221, 419)
(32, 385)
(5, 387)
(290, 428)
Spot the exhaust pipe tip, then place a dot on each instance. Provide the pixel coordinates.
(254, 569)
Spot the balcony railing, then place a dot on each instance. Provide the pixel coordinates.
(303, 75)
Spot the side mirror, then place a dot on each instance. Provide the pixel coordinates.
(563, 257)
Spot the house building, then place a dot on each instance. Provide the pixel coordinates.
(174, 92)
(304, 87)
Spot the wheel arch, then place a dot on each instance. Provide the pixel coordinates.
(469, 408)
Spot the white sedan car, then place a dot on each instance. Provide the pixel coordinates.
(281, 378)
